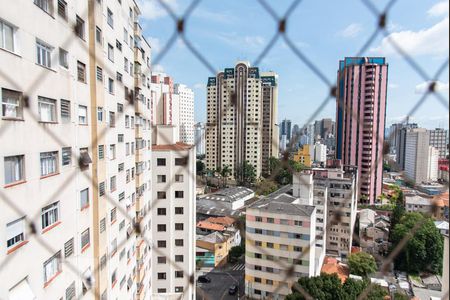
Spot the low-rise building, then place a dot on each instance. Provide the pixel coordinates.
(212, 249)
(442, 226)
(279, 233)
(304, 156)
(373, 231)
(236, 196)
(437, 207)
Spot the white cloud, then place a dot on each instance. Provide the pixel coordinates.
(219, 17)
(423, 87)
(234, 40)
(439, 9)
(350, 31)
(199, 86)
(158, 68)
(428, 41)
(393, 85)
(155, 43)
(152, 10)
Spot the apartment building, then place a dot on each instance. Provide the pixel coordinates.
(200, 138)
(439, 140)
(77, 93)
(304, 156)
(280, 233)
(341, 183)
(186, 122)
(399, 140)
(417, 152)
(173, 216)
(241, 118)
(360, 120)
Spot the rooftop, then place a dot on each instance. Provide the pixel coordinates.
(213, 238)
(417, 200)
(441, 225)
(226, 221)
(332, 266)
(210, 226)
(230, 194)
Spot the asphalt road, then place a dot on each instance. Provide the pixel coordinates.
(221, 280)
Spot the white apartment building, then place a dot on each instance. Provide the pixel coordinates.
(81, 153)
(241, 118)
(433, 159)
(320, 153)
(439, 140)
(173, 216)
(280, 233)
(417, 155)
(200, 139)
(186, 122)
(341, 184)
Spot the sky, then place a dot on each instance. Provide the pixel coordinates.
(325, 32)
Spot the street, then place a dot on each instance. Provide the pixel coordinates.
(221, 280)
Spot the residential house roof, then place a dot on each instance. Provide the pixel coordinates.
(210, 226)
(332, 266)
(226, 221)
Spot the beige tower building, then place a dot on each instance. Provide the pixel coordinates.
(241, 118)
(75, 156)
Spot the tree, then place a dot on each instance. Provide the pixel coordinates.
(266, 187)
(236, 252)
(423, 251)
(225, 172)
(282, 169)
(200, 167)
(246, 174)
(362, 264)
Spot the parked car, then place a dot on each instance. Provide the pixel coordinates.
(232, 290)
(204, 279)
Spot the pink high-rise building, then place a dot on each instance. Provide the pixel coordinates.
(360, 120)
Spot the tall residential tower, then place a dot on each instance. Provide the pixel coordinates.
(360, 120)
(241, 118)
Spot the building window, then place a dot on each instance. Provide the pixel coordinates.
(98, 35)
(112, 119)
(179, 274)
(66, 154)
(79, 28)
(49, 163)
(63, 58)
(81, 72)
(110, 18)
(179, 194)
(12, 104)
(162, 276)
(52, 267)
(50, 215)
(101, 189)
(161, 227)
(100, 114)
(68, 248)
(179, 258)
(112, 183)
(82, 115)
(7, 36)
(112, 151)
(114, 215)
(99, 74)
(44, 53)
(102, 225)
(120, 138)
(15, 233)
(162, 259)
(162, 244)
(84, 198)
(179, 226)
(110, 52)
(14, 168)
(65, 110)
(119, 77)
(179, 178)
(119, 45)
(179, 242)
(114, 247)
(70, 291)
(45, 5)
(85, 239)
(181, 161)
(161, 195)
(161, 211)
(101, 151)
(160, 161)
(179, 210)
(161, 178)
(47, 109)
(111, 86)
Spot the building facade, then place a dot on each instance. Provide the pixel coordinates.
(439, 140)
(417, 155)
(285, 129)
(360, 120)
(241, 118)
(186, 122)
(78, 96)
(320, 153)
(303, 155)
(200, 139)
(399, 139)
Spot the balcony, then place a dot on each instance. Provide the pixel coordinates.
(137, 29)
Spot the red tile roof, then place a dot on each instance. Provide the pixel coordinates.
(226, 221)
(210, 226)
(332, 266)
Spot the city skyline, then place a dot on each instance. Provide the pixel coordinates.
(426, 24)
